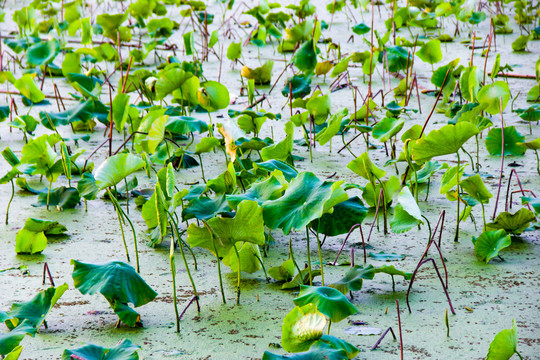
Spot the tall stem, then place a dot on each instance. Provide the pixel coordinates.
(457, 191)
(10, 199)
(218, 260)
(309, 258)
(238, 283)
(120, 218)
(173, 273)
(320, 256)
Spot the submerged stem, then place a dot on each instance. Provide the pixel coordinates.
(10, 200)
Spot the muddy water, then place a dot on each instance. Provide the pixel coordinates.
(496, 293)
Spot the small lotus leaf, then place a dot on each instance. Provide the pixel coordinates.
(116, 168)
(488, 245)
(512, 139)
(329, 301)
(124, 350)
(302, 326)
(504, 345)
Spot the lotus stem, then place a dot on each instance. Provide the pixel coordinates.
(513, 172)
(49, 194)
(382, 337)
(400, 332)
(320, 257)
(47, 271)
(292, 257)
(457, 192)
(502, 162)
(347, 237)
(187, 306)
(264, 269)
(10, 200)
(309, 258)
(117, 204)
(238, 283)
(120, 218)
(173, 273)
(174, 225)
(218, 260)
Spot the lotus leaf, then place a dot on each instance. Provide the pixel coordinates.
(345, 215)
(302, 326)
(504, 345)
(491, 95)
(513, 223)
(407, 214)
(488, 245)
(124, 350)
(116, 168)
(512, 139)
(447, 140)
(329, 301)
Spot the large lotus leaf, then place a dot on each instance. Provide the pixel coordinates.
(449, 178)
(261, 191)
(33, 312)
(512, 139)
(476, 188)
(302, 327)
(87, 186)
(430, 52)
(328, 300)
(364, 167)
(332, 128)
(513, 223)
(407, 214)
(371, 195)
(504, 345)
(261, 75)
(9, 341)
(246, 226)
(307, 198)
(47, 226)
(185, 124)
(213, 96)
(14, 354)
(312, 354)
(84, 111)
(354, 279)
(30, 242)
(298, 85)
(115, 280)
(124, 350)
(204, 208)
(397, 57)
(176, 79)
(346, 214)
(305, 58)
(43, 52)
(447, 140)
(488, 245)
(249, 257)
(111, 26)
(283, 149)
(319, 107)
(116, 168)
(155, 135)
(88, 86)
(61, 197)
(387, 128)
(491, 95)
(29, 89)
(288, 172)
(283, 272)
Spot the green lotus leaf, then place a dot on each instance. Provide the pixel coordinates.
(346, 214)
(206, 144)
(268, 189)
(447, 140)
(34, 311)
(61, 197)
(84, 111)
(302, 326)
(124, 350)
(185, 124)
(512, 139)
(40, 153)
(491, 95)
(48, 227)
(88, 86)
(319, 107)
(332, 342)
(282, 150)
(15, 353)
(449, 179)
(298, 85)
(87, 186)
(476, 188)
(182, 84)
(430, 52)
(364, 167)
(332, 128)
(213, 96)
(469, 83)
(254, 143)
(11, 340)
(305, 58)
(262, 75)
(328, 300)
(533, 94)
(307, 198)
(371, 195)
(360, 29)
(340, 67)
(398, 58)
(425, 173)
(30, 242)
(532, 113)
(520, 44)
(29, 89)
(43, 52)
(234, 51)
(354, 279)
(116, 168)
(111, 26)
(283, 272)
(300, 279)
(246, 226)
(288, 172)
(382, 256)
(387, 128)
(407, 214)
(534, 202)
(250, 257)
(155, 136)
(513, 223)
(312, 354)
(488, 245)
(504, 345)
